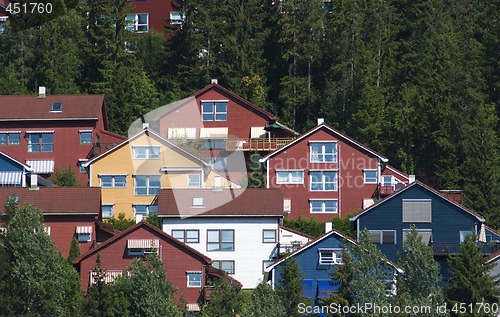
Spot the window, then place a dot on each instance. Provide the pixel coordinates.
(220, 240)
(147, 185)
(187, 236)
(10, 138)
(197, 202)
(217, 163)
(370, 176)
(145, 210)
(417, 210)
(426, 235)
(113, 181)
(464, 234)
(323, 181)
(269, 236)
(194, 279)
(290, 177)
(323, 152)
(56, 107)
(265, 264)
(386, 180)
(85, 137)
(81, 167)
(41, 142)
(214, 110)
(323, 206)
(330, 256)
(287, 205)
(175, 18)
(146, 152)
(194, 181)
(226, 266)
(214, 144)
(383, 236)
(107, 211)
(84, 233)
(139, 247)
(137, 22)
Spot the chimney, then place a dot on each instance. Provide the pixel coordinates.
(328, 227)
(34, 182)
(145, 125)
(138, 218)
(214, 81)
(321, 121)
(41, 92)
(411, 179)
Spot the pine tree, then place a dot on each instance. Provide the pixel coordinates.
(289, 286)
(265, 303)
(74, 250)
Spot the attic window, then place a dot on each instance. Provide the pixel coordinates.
(56, 107)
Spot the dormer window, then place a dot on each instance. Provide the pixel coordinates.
(56, 107)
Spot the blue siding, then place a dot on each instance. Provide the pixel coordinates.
(7, 165)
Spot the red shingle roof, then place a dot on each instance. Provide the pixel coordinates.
(34, 108)
(57, 200)
(227, 202)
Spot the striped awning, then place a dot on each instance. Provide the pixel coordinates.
(41, 166)
(258, 132)
(41, 131)
(84, 230)
(110, 276)
(143, 243)
(11, 178)
(188, 133)
(213, 133)
(193, 307)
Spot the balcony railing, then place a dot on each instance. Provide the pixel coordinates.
(256, 144)
(389, 189)
(454, 248)
(99, 148)
(289, 248)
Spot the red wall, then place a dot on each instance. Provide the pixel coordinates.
(63, 229)
(156, 9)
(176, 261)
(351, 188)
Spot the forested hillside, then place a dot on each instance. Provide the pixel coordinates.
(417, 81)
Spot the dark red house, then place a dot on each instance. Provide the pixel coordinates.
(186, 268)
(326, 174)
(149, 15)
(51, 131)
(67, 212)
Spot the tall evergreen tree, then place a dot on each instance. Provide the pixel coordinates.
(265, 303)
(289, 286)
(74, 250)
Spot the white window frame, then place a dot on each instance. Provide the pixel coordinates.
(148, 154)
(370, 180)
(289, 177)
(84, 237)
(322, 156)
(134, 26)
(148, 209)
(8, 136)
(334, 258)
(82, 132)
(190, 283)
(112, 210)
(193, 183)
(275, 240)
(173, 18)
(323, 206)
(323, 181)
(214, 111)
(113, 180)
(198, 202)
(148, 186)
(41, 144)
(287, 205)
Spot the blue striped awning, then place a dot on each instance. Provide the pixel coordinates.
(11, 178)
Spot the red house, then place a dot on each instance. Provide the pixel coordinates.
(326, 174)
(186, 268)
(47, 132)
(149, 15)
(67, 212)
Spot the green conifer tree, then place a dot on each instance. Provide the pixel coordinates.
(289, 286)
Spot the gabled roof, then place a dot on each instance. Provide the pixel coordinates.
(394, 170)
(242, 202)
(297, 232)
(422, 185)
(57, 200)
(26, 167)
(21, 108)
(150, 133)
(494, 257)
(136, 227)
(183, 102)
(315, 129)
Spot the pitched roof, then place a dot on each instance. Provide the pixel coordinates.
(495, 256)
(26, 167)
(431, 190)
(150, 133)
(183, 102)
(58, 200)
(327, 127)
(136, 227)
(19, 108)
(237, 202)
(396, 171)
(297, 232)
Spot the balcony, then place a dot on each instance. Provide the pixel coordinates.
(98, 148)
(389, 189)
(285, 249)
(256, 144)
(445, 249)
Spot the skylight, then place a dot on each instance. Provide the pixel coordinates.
(56, 107)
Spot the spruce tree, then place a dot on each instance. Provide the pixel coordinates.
(289, 286)
(74, 250)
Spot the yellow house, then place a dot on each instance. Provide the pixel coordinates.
(132, 173)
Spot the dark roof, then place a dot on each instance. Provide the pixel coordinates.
(14, 108)
(226, 202)
(57, 200)
(176, 106)
(135, 227)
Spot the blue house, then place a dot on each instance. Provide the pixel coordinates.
(13, 172)
(441, 222)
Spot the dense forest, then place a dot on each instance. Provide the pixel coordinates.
(417, 81)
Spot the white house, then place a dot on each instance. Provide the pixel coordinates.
(237, 228)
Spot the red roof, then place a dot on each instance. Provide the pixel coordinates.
(226, 202)
(135, 227)
(57, 200)
(33, 108)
